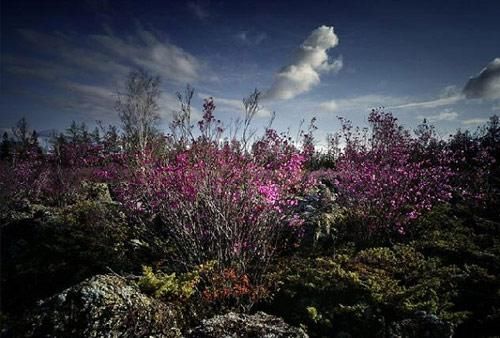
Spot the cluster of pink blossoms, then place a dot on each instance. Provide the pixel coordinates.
(382, 181)
(218, 201)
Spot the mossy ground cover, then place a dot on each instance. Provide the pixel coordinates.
(449, 270)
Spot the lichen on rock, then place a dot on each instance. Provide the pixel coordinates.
(102, 306)
(236, 325)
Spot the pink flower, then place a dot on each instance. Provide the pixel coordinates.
(270, 193)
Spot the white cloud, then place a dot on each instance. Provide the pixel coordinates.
(310, 61)
(328, 106)
(359, 104)
(95, 101)
(486, 84)
(474, 121)
(446, 115)
(146, 50)
(442, 101)
(109, 55)
(91, 91)
(448, 96)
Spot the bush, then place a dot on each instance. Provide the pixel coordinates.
(58, 178)
(229, 289)
(384, 182)
(219, 202)
(365, 293)
(171, 286)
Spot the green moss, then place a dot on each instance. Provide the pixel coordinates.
(368, 290)
(173, 286)
(167, 286)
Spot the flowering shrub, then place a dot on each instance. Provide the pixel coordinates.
(216, 203)
(23, 177)
(474, 162)
(56, 178)
(381, 181)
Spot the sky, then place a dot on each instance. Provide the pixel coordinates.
(439, 60)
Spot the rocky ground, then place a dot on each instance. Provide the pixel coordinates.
(112, 306)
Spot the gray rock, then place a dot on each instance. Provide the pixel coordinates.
(102, 306)
(421, 325)
(235, 325)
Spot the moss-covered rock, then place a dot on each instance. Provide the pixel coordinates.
(102, 306)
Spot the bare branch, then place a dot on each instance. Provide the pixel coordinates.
(139, 110)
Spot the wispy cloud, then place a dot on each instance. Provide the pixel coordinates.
(310, 62)
(476, 121)
(446, 115)
(360, 103)
(199, 9)
(233, 105)
(107, 54)
(249, 38)
(66, 53)
(328, 106)
(486, 84)
(82, 72)
(435, 103)
(146, 50)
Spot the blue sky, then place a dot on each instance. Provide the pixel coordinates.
(440, 60)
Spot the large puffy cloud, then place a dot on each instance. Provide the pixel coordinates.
(486, 84)
(310, 61)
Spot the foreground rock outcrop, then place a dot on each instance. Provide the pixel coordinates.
(235, 325)
(102, 306)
